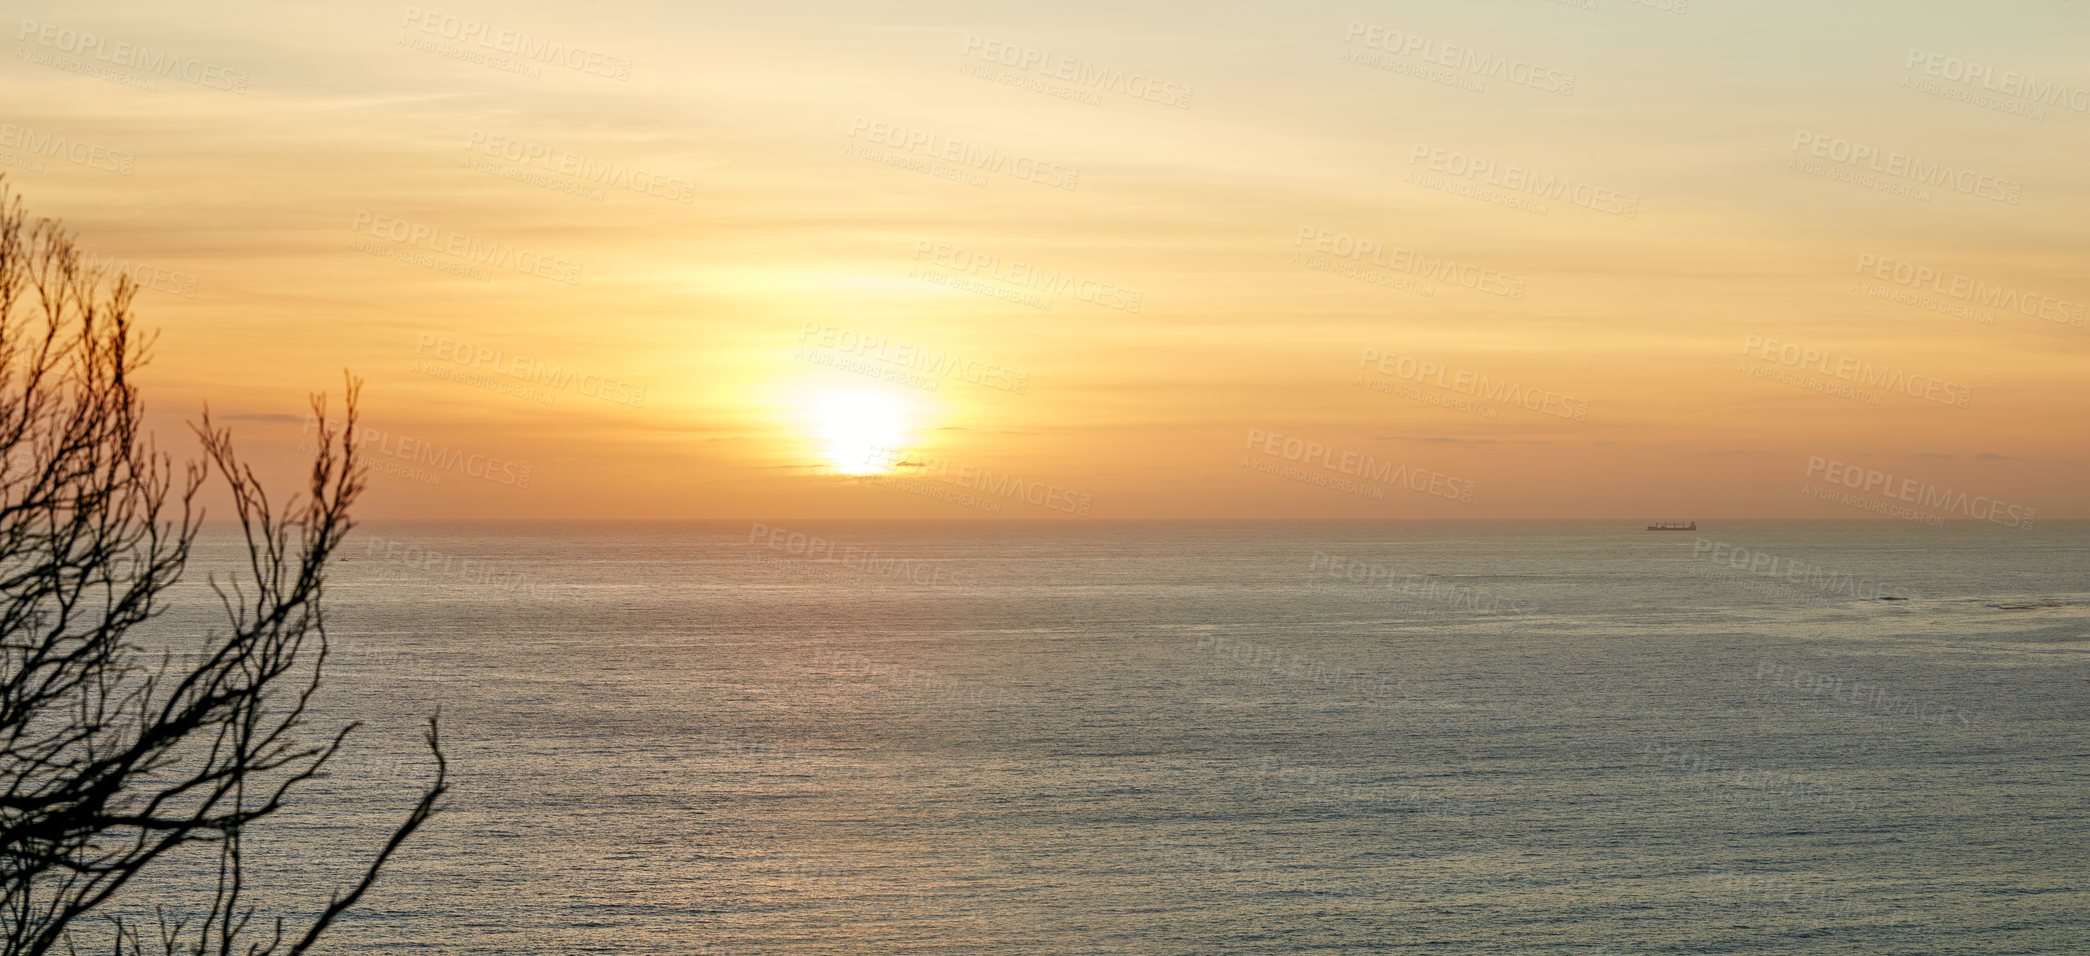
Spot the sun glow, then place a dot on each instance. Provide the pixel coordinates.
(861, 432)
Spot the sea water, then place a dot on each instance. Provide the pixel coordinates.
(1181, 738)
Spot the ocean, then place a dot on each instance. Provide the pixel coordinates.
(1201, 738)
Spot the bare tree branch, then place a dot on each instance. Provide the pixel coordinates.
(114, 760)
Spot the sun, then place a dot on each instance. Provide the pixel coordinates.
(860, 431)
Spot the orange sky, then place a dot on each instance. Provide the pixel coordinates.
(1498, 259)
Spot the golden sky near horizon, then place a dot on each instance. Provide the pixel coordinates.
(1518, 258)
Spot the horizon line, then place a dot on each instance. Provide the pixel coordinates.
(1197, 520)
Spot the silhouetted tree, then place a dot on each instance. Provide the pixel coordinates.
(115, 758)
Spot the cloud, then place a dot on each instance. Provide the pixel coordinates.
(1449, 440)
(1992, 456)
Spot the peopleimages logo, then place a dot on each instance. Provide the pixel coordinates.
(1028, 276)
(428, 561)
(1079, 72)
(416, 451)
(1466, 382)
(1399, 259)
(1366, 467)
(557, 378)
(999, 485)
(1926, 494)
(134, 57)
(1915, 384)
(1911, 168)
(2008, 82)
(931, 363)
(1872, 697)
(56, 146)
(577, 58)
(147, 276)
(466, 249)
(1464, 57)
(1431, 587)
(1517, 179)
(580, 166)
(1954, 285)
(965, 153)
(1779, 567)
(818, 550)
